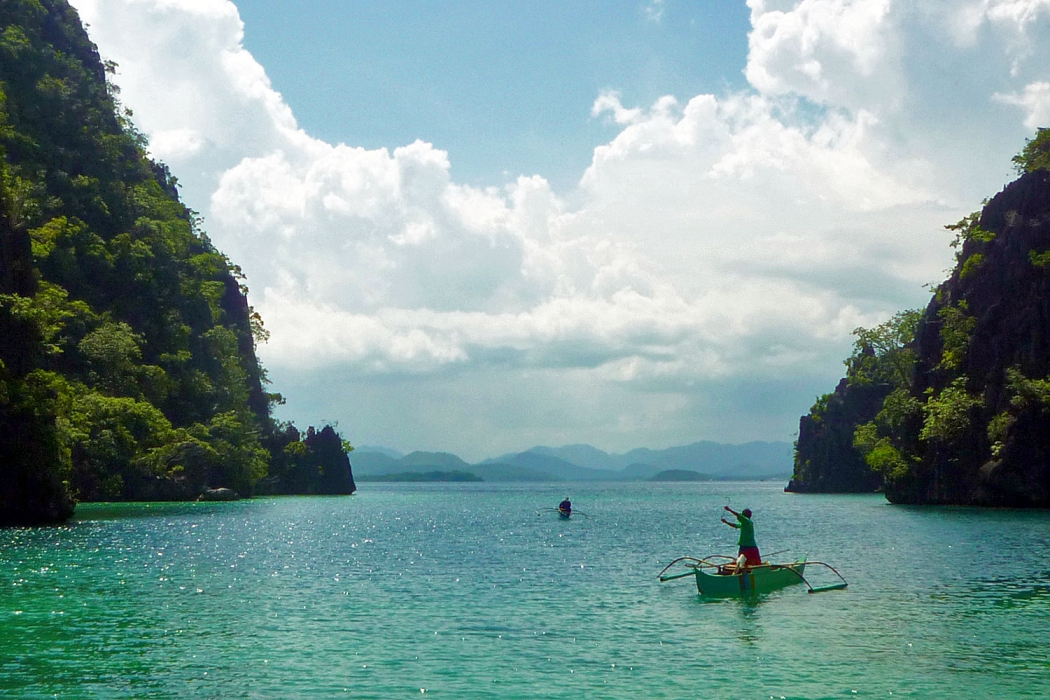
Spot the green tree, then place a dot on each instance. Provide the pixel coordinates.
(1036, 153)
(112, 350)
(110, 437)
(883, 354)
(956, 329)
(949, 413)
(882, 441)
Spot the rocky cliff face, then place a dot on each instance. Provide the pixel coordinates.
(984, 364)
(825, 459)
(969, 421)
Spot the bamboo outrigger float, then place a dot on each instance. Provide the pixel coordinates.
(719, 576)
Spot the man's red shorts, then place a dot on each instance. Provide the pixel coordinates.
(751, 555)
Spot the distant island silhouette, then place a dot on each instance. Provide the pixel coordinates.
(699, 461)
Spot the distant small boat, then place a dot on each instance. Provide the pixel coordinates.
(718, 576)
(563, 513)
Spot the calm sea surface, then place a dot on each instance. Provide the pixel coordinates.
(463, 591)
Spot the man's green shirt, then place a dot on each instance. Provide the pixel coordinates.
(747, 532)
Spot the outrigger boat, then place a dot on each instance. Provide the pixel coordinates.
(720, 576)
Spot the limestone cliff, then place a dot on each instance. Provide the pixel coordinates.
(967, 419)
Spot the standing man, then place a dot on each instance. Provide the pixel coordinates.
(748, 545)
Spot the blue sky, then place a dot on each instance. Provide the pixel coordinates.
(505, 87)
(477, 227)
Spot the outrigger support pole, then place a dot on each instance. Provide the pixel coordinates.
(697, 564)
(672, 577)
(830, 587)
(819, 589)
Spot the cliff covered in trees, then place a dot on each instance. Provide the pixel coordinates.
(127, 345)
(964, 416)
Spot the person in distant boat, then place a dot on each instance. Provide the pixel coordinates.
(565, 506)
(748, 545)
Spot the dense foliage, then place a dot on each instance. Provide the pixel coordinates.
(967, 419)
(29, 436)
(127, 346)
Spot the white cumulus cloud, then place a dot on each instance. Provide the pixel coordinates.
(841, 52)
(717, 240)
(1035, 101)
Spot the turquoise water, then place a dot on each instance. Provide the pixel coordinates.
(463, 591)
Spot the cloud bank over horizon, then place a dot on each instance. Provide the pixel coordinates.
(701, 282)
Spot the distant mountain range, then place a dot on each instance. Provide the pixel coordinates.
(698, 461)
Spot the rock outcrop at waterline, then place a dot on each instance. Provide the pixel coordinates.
(221, 494)
(970, 422)
(310, 465)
